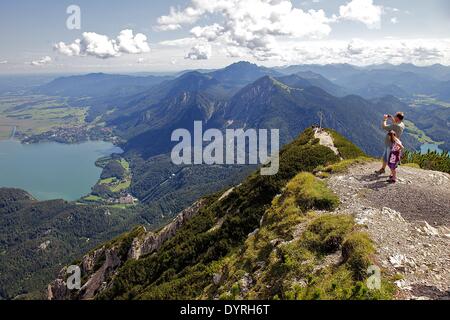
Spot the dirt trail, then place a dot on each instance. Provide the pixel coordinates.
(408, 221)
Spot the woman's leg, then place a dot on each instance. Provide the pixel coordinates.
(385, 161)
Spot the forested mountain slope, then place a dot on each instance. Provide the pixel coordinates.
(37, 238)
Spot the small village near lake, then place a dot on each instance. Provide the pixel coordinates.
(113, 188)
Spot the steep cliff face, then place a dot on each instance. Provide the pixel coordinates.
(150, 242)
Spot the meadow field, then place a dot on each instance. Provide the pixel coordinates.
(36, 114)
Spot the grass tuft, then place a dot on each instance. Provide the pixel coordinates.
(357, 251)
(326, 233)
(312, 193)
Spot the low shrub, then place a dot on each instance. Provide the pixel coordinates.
(429, 161)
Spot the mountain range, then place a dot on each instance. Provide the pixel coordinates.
(290, 103)
(98, 84)
(144, 110)
(137, 106)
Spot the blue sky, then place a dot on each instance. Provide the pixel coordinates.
(208, 34)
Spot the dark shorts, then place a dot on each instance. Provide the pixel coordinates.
(394, 160)
(393, 165)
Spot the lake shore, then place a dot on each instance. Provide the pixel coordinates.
(51, 170)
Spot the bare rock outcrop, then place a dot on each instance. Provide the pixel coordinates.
(151, 242)
(95, 282)
(57, 290)
(107, 258)
(326, 140)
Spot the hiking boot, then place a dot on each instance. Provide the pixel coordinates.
(392, 180)
(381, 171)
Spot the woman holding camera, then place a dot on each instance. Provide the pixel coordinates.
(396, 126)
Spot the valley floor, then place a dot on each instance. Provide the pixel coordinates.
(409, 223)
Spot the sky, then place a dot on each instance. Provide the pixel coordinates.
(78, 36)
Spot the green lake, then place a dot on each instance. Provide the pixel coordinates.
(52, 170)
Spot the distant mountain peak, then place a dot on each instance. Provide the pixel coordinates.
(242, 73)
(242, 64)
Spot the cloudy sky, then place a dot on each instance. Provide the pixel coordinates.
(171, 35)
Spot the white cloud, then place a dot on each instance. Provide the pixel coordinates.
(360, 52)
(273, 31)
(200, 52)
(73, 49)
(356, 47)
(3, 61)
(235, 52)
(192, 13)
(257, 27)
(127, 43)
(43, 61)
(251, 24)
(175, 19)
(100, 46)
(364, 11)
(210, 33)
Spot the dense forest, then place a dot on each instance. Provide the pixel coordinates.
(38, 238)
